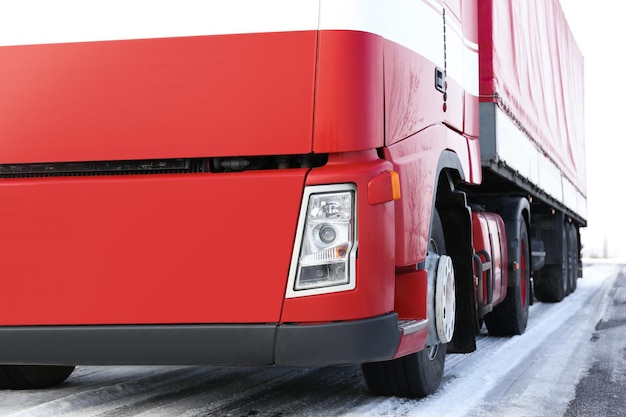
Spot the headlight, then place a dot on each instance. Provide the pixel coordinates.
(325, 248)
(325, 233)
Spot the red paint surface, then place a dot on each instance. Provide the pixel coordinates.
(374, 292)
(147, 249)
(349, 112)
(411, 289)
(210, 248)
(158, 98)
(416, 160)
(412, 343)
(488, 234)
(412, 102)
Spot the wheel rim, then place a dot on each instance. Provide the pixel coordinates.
(432, 352)
(445, 305)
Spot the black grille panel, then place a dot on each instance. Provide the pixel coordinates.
(162, 166)
(81, 169)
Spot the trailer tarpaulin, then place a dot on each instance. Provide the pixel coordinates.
(531, 66)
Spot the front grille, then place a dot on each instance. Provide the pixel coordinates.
(80, 169)
(162, 166)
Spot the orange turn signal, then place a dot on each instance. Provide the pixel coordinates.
(383, 188)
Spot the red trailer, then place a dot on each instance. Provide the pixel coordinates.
(282, 183)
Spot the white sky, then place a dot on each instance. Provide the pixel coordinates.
(600, 32)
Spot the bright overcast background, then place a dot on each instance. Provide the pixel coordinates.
(600, 31)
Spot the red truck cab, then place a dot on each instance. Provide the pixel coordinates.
(249, 183)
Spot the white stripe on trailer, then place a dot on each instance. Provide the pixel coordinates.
(519, 153)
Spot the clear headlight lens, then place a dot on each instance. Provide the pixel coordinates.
(325, 257)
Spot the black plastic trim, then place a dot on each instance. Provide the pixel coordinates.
(370, 340)
(161, 166)
(138, 345)
(225, 344)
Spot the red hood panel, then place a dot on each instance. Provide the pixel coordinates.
(202, 248)
(232, 95)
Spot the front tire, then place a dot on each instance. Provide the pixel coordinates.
(413, 376)
(419, 374)
(20, 377)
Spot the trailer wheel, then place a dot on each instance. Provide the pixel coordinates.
(418, 374)
(511, 316)
(33, 376)
(552, 281)
(572, 256)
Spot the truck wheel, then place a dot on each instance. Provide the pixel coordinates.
(418, 374)
(572, 256)
(510, 317)
(413, 376)
(33, 376)
(551, 281)
(551, 284)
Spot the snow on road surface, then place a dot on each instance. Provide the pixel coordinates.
(535, 374)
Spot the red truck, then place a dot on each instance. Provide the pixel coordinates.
(283, 183)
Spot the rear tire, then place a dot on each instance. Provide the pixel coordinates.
(33, 376)
(418, 374)
(510, 317)
(551, 281)
(572, 256)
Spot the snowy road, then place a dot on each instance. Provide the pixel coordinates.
(545, 372)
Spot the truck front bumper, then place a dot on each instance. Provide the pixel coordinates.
(367, 340)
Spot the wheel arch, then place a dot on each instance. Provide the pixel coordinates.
(430, 182)
(456, 219)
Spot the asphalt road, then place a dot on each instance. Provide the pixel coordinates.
(602, 392)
